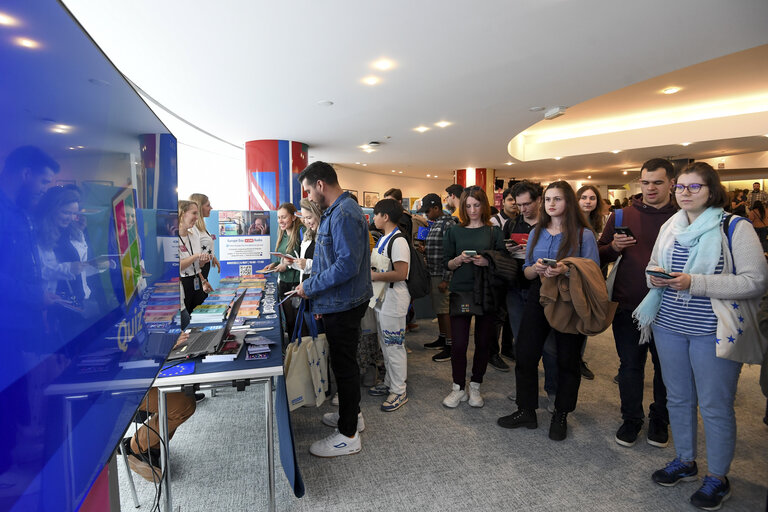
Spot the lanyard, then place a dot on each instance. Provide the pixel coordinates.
(384, 240)
(191, 252)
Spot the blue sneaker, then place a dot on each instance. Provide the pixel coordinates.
(712, 493)
(394, 402)
(379, 390)
(676, 471)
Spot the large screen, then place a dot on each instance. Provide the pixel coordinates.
(87, 223)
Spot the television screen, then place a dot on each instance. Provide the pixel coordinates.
(88, 265)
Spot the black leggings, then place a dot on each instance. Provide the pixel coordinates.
(192, 297)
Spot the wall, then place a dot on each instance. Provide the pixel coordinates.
(411, 187)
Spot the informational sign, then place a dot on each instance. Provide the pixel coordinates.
(243, 242)
(129, 250)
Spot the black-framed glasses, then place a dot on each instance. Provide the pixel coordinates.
(693, 188)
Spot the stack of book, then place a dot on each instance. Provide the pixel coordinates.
(258, 346)
(162, 302)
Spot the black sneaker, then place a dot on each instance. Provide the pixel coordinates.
(438, 344)
(628, 431)
(509, 354)
(616, 379)
(498, 363)
(199, 397)
(444, 355)
(145, 464)
(586, 372)
(675, 471)
(712, 493)
(558, 429)
(519, 418)
(658, 433)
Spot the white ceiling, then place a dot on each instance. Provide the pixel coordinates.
(245, 69)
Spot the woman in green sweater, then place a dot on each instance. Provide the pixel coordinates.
(462, 246)
(288, 242)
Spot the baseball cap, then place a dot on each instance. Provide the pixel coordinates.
(429, 201)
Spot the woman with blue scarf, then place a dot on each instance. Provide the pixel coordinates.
(686, 314)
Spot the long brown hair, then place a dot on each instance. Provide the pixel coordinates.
(573, 221)
(47, 230)
(294, 241)
(485, 208)
(200, 199)
(595, 217)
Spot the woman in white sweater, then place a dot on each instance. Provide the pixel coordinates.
(688, 311)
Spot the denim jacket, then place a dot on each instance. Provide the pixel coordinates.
(341, 267)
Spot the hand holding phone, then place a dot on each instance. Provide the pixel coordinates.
(471, 254)
(659, 274)
(549, 262)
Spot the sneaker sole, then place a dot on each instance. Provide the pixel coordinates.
(454, 406)
(656, 443)
(718, 506)
(390, 408)
(441, 347)
(337, 455)
(476, 404)
(625, 443)
(377, 393)
(683, 479)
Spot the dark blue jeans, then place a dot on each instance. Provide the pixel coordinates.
(632, 357)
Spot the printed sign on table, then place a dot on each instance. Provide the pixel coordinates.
(244, 244)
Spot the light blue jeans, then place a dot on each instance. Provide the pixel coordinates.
(695, 376)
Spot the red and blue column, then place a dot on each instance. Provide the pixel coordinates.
(272, 167)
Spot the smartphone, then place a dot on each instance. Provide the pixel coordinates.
(510, 242)
(658, 273)
(552, 263)
(624, 230)
(470, 253)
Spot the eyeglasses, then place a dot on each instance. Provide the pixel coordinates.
(693, 188)
(525, 205)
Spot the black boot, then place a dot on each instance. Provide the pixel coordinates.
(558, 429)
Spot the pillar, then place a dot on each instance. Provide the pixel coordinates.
(272, 168)
(481, 177)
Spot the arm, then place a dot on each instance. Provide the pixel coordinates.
(752, 278)
(350, 244)
(185, 263)
(452, 259)
(400, 273)
(589, 247)
(605, 244)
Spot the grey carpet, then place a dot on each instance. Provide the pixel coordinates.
(425, 457)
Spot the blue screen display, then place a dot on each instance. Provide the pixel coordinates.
(87, 228)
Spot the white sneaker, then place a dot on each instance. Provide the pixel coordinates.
(335, 400)
(457, 395)
(332, 420)
(475, 398)
(512, 396)
(335, 445)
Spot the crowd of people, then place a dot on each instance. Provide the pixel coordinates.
(678, 261)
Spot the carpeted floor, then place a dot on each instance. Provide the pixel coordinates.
(425, 457)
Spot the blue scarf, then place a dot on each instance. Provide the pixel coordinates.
(702, 238)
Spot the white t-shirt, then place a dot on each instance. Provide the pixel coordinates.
(396, 299)
(189, 245)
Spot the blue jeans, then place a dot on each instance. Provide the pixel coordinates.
(516, 298)
(695, 376)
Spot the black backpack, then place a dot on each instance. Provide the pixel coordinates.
(419, 284)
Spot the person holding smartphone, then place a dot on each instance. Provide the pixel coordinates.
(562, 231)
(462, 246)
(711, 276)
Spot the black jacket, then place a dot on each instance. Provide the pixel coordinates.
(492, 282)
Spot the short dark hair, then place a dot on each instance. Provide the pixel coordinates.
(391, 208)
(659, 163)
(394, 193)
(756, 183)
(534, 189)
(506, 192)
(455, 190)
(718, 197)
(29, 157)
(319, 171)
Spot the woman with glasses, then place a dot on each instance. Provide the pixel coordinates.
(562, 231)
(692, 248)
(462, 245)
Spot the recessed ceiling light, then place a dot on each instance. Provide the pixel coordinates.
(61, 128)
(510, 163)
(589, 177)
(685, 143)
(558, 157)
(435, 176)
(365, 165)
(364, 146)
(26, 43)
(536, 109)
(400, 172)
(429, 175)
(72, 147)
(369, 150)
(615, 151)
(421, 129)
(394, 170)
(443, 124)
(8, 21)
(625, 172)
(80, 147)
(384, 64)
(371, 80)
(357, 163)
(671, 90)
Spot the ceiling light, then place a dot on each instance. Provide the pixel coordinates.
(26, 43)
(61, 128)
(671, 90)
(443, 124)
(615, 151)
(8, 21)
(589, 177)
(365, 165)
(394, 170)
(364, 146)
(400, 172)
(325, 103)
(685, 143)
(369, 150)
(421, 129)
(536, 109)
(510, 163)
(357, 163)
(384, 64)
(558, 157)
(625, 172)
(72, 147)
(80, 147)
(371, 80)
(429, 175)
(435, 176)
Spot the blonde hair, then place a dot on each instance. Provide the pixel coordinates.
(312, 207)
(294, 241)
(200, 200)
(184, 207)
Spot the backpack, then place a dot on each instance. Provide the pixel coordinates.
(419, 283)
(729, 226)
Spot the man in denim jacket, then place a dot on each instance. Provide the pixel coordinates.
(339, 289)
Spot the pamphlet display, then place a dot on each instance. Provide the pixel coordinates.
(242, 240)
